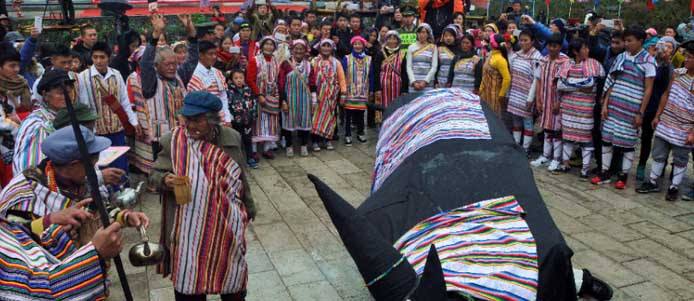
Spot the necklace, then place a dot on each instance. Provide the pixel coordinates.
(50, 176)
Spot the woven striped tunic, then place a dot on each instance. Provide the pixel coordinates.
(211, 80)
(577, 106)
(25, 195)
(208, 243)
(357, 75)
(523, 66)
(464, 73)
(32, 131)
(329, 78)
(50, 269)
(626, 79)
(445, 60)
(294, 81)
(267, 127)
(390, 77)
(486, 250)
(422, 64)
(547, 94)
(677, 119)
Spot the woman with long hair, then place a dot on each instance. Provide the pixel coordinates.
(496, 78)
(521, 95)
(466, 68)
(422, 60)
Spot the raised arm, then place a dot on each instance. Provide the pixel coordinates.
(185, 71)
(148, 73)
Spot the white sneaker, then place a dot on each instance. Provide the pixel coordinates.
(329, 146)
(554, 165)
(316, 147)
(542, 160)
(290, 152)
(304, 151)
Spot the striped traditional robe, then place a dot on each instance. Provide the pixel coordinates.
(298, 97)
(422, 64)
(157, 115)
(324, 118)
(436, 115)
(626, 79)
(486, 250)
(49, 270)
(267, 124)
(445, 61)
(390, 79)
(357, 75)
(523, 66)
(548, 95)
(33, 130)
(26, 195)
(213, 81)
(208, 240)
(577, 106)
(677, 119)
(464, 73)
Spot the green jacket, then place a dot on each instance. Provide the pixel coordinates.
(229, 139)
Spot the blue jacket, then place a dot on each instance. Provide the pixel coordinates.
(26, 54)
(542, 34)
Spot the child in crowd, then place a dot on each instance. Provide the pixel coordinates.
(244, 111)
(359, 75)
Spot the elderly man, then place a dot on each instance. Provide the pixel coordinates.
(58, 182)
(47, 203)
(201, 164)
(160, 100)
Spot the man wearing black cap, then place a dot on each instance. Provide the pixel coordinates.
(249, 48)
(407, 24)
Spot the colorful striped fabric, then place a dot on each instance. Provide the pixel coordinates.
(422, 64)
(267, 126)
(211, 80)
(624, 101)
(94, 88)
(209, 246)
(26, 195)
(324, 118)
(156, 115)
(548, 95)
(523, 66)
(486, 250)
(28, 272)
(33, 130)
(435, 115)
(577, 106)
(464, 73)
(677, 119)
(357, 75)
(445, 60)
(391, 79)
(298, 117)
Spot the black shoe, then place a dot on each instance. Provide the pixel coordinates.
(672, 194)
(648, 187)
(594, 287)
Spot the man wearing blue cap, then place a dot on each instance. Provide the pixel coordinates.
(34, 196)
(204, 158)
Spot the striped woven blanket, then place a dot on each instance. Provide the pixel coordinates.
(486, 250)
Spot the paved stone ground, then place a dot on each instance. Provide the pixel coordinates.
(642, 245)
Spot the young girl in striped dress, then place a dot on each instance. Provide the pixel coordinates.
(295, 97)
(422, 60)
(390, 64)
(359, 75)
(466, 68)
(521, 95)
(629, 84)
(329, 83)
(262, 78)
(448, 49)
(577, 82)
(547, 103)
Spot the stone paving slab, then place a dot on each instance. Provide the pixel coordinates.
(640, 244)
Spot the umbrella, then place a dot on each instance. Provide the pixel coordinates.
(472, 162)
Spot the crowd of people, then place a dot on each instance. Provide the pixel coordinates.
(197, 112)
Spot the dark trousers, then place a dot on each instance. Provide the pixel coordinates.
(647, 132)
(228, 297)
(357, 117)
(245, 131)
(303, 136)
(597, 134)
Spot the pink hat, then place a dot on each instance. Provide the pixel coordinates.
(652, 31)
(357, 38)
(299, 42)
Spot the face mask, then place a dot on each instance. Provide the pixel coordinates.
(280, 36)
